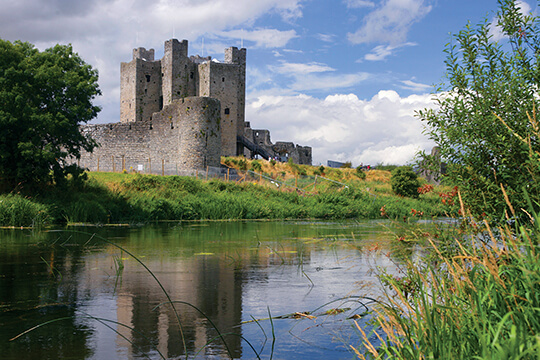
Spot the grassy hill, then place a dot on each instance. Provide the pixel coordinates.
(273, 191)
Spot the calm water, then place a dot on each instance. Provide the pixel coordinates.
(95, 301)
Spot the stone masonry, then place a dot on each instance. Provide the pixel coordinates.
(179, 111)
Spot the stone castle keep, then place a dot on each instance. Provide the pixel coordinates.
(182, 113)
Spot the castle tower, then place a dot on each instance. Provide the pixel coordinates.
(178, 72)
(140, 86)
(148, 85)
(226, 82)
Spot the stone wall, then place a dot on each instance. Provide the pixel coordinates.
(283, 151)
(185, 135)
(181, 113)
(147, 85)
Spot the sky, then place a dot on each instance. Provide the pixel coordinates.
(342, 76)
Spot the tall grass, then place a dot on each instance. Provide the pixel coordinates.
(16, 210)
(133, 198)
(481, 301)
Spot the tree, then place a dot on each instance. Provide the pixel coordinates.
(44, 97)
(485, 123)
(405, 182)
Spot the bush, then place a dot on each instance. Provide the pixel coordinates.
(405, 182)
(360, 173)
(242, 164)
(256, 165)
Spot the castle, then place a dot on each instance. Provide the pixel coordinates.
(183, 113)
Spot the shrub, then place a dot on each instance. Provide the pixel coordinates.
(256, 165)
(360, 173)
(405, 182)
(242, 164)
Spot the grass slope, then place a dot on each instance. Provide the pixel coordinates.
(134, 198)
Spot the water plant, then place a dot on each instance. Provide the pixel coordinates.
(477, 296)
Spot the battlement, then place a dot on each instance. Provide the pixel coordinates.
(185, 112)
(142, 53)
(175, 48)
(233, 55)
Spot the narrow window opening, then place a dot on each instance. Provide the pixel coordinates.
(223, 79)
(147, 78)
(227, 111)
(191, 76)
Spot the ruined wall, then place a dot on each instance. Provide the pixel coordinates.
(185, 135)
(281, 150)
(148, 85)
(182, 112)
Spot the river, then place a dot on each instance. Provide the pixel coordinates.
(90, 298)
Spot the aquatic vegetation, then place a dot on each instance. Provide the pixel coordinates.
(477, 295)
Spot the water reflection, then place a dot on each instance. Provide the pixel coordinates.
(230, 271)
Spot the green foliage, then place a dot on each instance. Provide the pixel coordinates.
(242, 164)
(475, 300)
(484, 124)
(16, 210)
(360, 172)
(256, 165)
(137, 198)
(44, 97)
(386, 167)
(405, 182)
(346, 165)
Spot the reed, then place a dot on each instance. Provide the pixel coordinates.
(477, 297)
(17, 210)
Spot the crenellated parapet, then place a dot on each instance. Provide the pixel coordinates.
(177, 110)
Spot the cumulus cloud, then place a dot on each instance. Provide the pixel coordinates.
(343, 127)
(104, 32)
(390, 22)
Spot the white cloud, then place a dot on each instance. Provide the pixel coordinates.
(343, 127)
(301, 69)
(381, 52)
(390, 22)
(354, 4)
(263, 38)
(326, 37)
(104, 32)
(414, 86)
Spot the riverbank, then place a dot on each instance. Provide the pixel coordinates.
(134, 198)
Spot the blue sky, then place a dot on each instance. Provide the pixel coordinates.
(342, 76)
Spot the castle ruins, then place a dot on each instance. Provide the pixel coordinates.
(184, 113)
